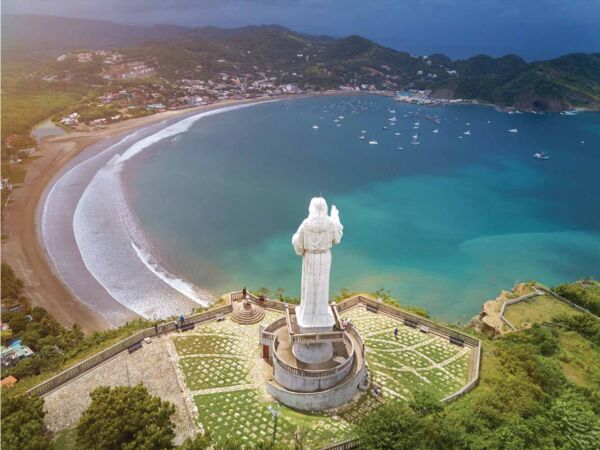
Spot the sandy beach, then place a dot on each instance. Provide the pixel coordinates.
(21, 222)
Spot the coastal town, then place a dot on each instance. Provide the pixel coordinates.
(119, 87)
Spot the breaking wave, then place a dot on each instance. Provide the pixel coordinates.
(180, 285)
(177, 128)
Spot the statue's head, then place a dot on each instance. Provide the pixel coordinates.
(317, 207)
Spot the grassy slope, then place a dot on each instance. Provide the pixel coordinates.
(537, 310)
(580, 360)
(579, 357)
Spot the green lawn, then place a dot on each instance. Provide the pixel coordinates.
(241, 414)
(536, 310)
(412, 362)
(214, 371)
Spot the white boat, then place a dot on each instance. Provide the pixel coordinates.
(417, 124)
(541, 155)
(467, 133)
(361, 137)
(315, 127)
(384, 128)
(396, 133)
(415, 140)
(513, 130)
(373, 142)
(468, 123)
(363, 131)
(399, 148)
(392, 119)
(338, 124)
(436, 131)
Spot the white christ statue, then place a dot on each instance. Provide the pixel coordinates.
(313, 241)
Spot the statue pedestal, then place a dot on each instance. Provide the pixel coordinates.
(321, 323)
(313, 353)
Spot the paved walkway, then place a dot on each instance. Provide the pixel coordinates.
(65, 405)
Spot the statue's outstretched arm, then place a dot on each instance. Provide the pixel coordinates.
(339, 228)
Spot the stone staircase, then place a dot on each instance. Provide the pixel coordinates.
(246, 313)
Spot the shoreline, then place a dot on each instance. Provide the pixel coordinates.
(26, 251)
(24, 248)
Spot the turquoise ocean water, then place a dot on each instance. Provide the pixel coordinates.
(444, 224)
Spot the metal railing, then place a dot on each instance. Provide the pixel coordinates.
(441, 329)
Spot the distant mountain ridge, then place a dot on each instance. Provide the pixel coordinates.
(315, 62)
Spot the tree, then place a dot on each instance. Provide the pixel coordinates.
(126, 418)
(12, 287)
(22, 423)
(425, 403)
(577, 426)
(392, 426)
(198, 442)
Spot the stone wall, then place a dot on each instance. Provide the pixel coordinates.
(318, 401)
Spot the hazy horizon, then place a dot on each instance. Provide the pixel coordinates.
(459, 28)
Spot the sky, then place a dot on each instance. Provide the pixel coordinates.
(533, 29)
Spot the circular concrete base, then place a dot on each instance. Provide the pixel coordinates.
(313, 353)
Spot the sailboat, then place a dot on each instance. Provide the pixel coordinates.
(415, 139)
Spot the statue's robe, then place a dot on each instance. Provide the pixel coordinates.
(313, 241)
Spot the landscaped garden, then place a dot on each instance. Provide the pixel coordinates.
(413, 361)
(221, 366)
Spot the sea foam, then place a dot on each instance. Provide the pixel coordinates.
(108, 238)
(179, 284)
(177, 128)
